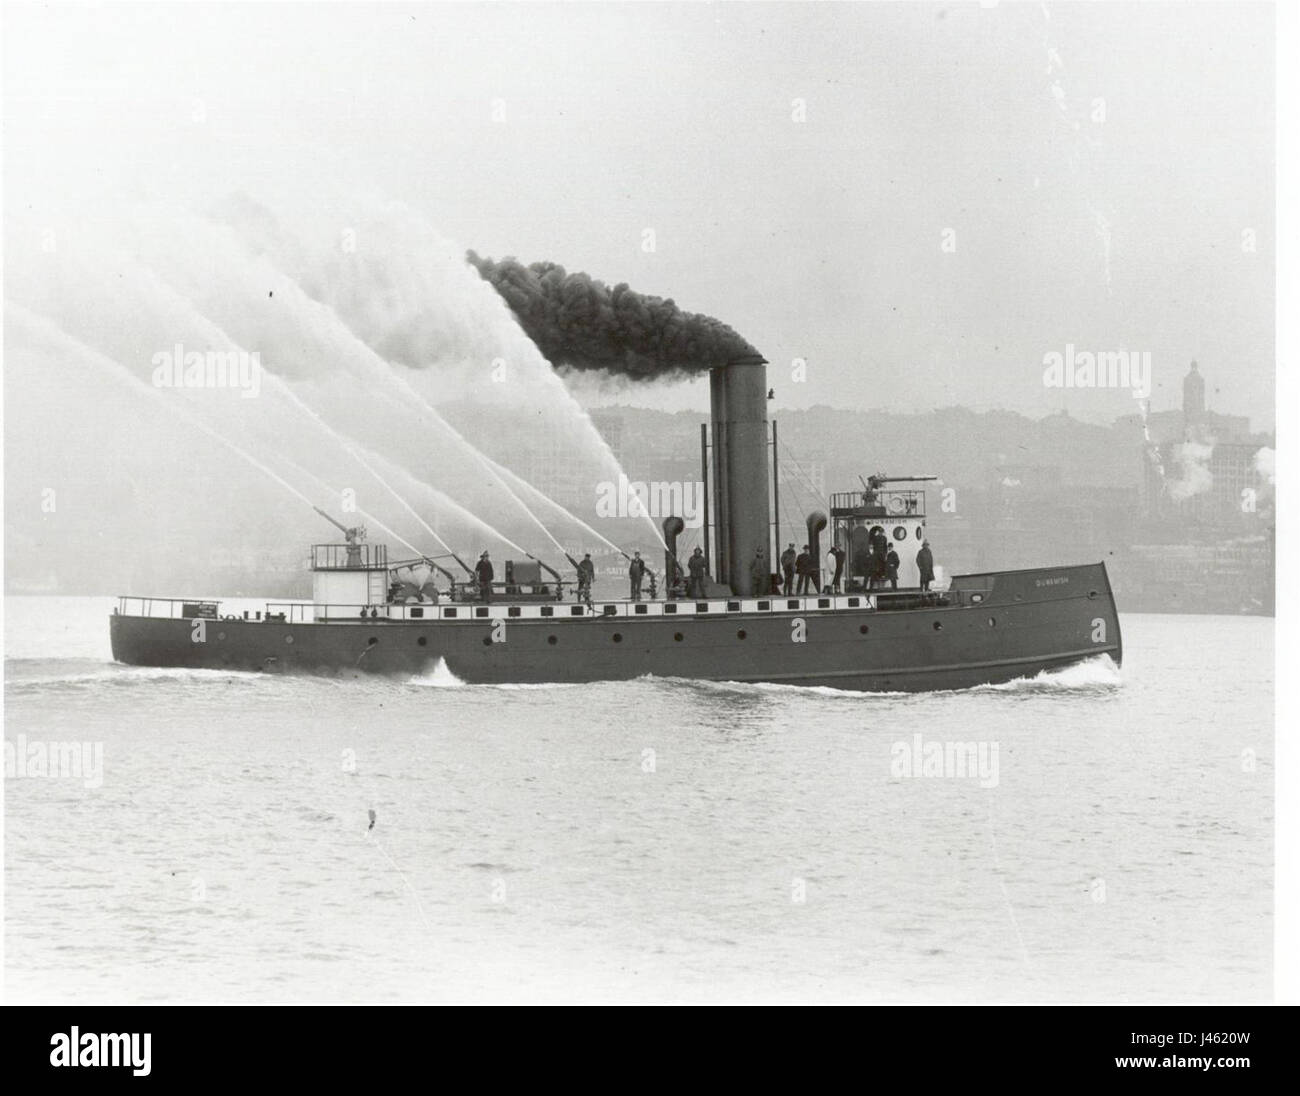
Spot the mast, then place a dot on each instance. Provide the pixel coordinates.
(704, 476)
(776, 502)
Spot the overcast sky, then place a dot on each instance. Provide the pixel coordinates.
(800, 166)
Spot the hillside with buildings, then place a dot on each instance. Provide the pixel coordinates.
(1179, 503)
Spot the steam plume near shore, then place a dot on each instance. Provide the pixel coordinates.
(579, 323)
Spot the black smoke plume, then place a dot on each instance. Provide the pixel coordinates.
(580, 323)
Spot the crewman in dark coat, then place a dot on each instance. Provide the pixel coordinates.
(586, 576)
(758, 575)
(698, 569)
(891, 567)
(925, 564)
(483, 571)
(788, 559)
(635, 573)
(837, 553)
(879, 551)
(803, 568)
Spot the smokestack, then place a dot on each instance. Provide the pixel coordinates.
(738, 396)
(718, 417)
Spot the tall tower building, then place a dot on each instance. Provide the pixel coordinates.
(1193, 399)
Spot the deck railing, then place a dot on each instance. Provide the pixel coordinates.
(349, 557)
(298, 612)
(177, 607)
(879, 504)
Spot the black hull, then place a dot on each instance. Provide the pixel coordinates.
(997, 627)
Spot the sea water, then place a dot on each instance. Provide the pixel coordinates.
(1096, 835)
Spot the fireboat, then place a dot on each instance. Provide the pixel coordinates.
(372, 615)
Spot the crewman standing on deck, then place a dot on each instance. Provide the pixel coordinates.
(788, 560)
(483, 571)
(837, 554)
(635, 573)
(879, 554)
(758, 574)
(925, 564)
(891, 567)
(698, 569)
(803, 568)
(586, 576)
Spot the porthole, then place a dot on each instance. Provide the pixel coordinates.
(677, 637)
(938, 626)
(993, 622)
(863, 629)
(1092, 595)
(918, 532)
(369, 643)
(487, 641)
(423, 641)
(552, 640)
(900, 532)
(221, 635)
(740, 634)
(617, 637)
(975, 599)
(289, 639)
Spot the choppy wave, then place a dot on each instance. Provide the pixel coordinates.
(1095, 673)
(750, 687)
(1092, 675)
(440, 676)
(111, 673)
